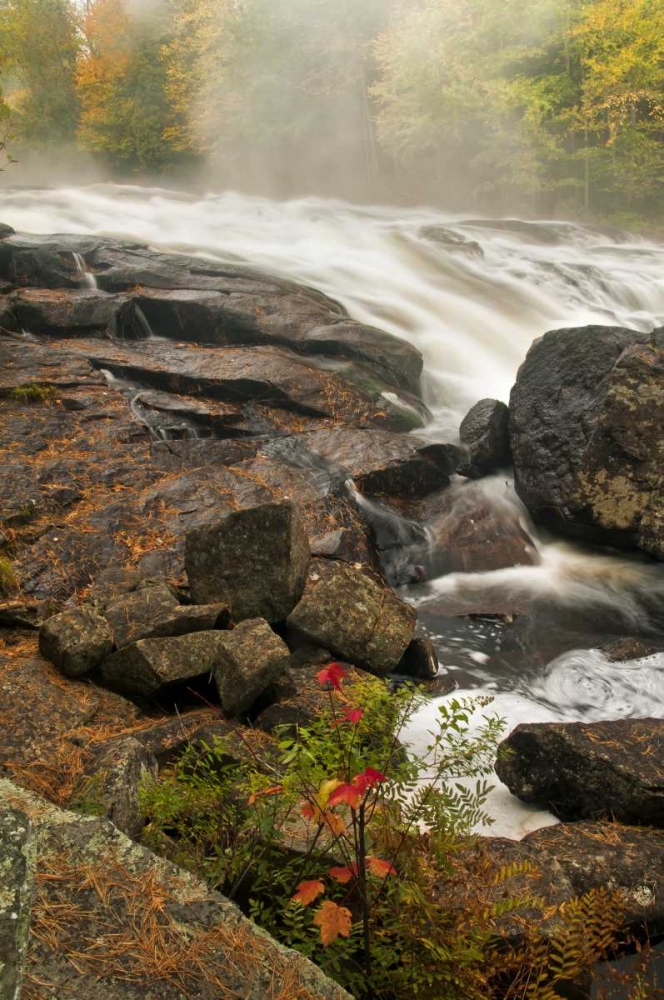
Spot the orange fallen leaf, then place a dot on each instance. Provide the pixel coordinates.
(274, 790)
(334, 921)
(380, 868)
(308, 891)
(342, 875)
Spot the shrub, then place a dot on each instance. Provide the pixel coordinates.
(330, 839)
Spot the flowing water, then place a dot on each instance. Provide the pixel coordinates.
(473, 309)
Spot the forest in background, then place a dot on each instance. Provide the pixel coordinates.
(545, 107)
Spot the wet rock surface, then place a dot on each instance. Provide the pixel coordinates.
(484, 437)
(585, 426)
(351, 614)
(610, 770)
(175, 444)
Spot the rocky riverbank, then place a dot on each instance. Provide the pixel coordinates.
(206, 491)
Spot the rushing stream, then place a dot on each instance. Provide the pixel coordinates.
(473, 313)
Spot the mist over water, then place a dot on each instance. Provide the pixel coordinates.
(473, 315)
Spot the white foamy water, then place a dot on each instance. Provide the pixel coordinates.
(474, 318)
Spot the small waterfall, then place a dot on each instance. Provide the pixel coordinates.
(143, 324)
(87, 278)
(161, 425)
(402, 544)
(130, 324)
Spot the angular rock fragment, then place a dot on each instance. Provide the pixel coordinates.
(420, 660)
(353, 616)
(76, 641)
(112, 785)
(152, 665)
(589, 770)
(484, 436)
(249, 659)
(254, 560)
(298, 698)
(152, 612)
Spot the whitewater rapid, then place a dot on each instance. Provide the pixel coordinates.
(473, 316)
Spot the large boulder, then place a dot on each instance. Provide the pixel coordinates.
(250, 658)
(132, 926)
(472, 527)
(76, 641)
(587, 434)
(589, 771)
(150, 666)
(355, 617)
(484, 436)
(254, 560)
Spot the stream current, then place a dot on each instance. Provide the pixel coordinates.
(472, 310)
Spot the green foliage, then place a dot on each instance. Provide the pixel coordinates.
(8, 578)
(33, 393)
(38, 49)
(331, 840)
(538, 106)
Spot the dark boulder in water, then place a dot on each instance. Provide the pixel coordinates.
(587, 435)
(420, 660)
(485, 442)
(589, 771)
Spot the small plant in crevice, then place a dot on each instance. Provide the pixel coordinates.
(358, 854)
(9, 584)
(34, 393)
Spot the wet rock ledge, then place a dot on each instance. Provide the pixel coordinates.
(206, 491)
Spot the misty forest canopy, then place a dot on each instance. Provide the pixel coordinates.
(544, 105)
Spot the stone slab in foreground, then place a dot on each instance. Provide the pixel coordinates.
(109, 919)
